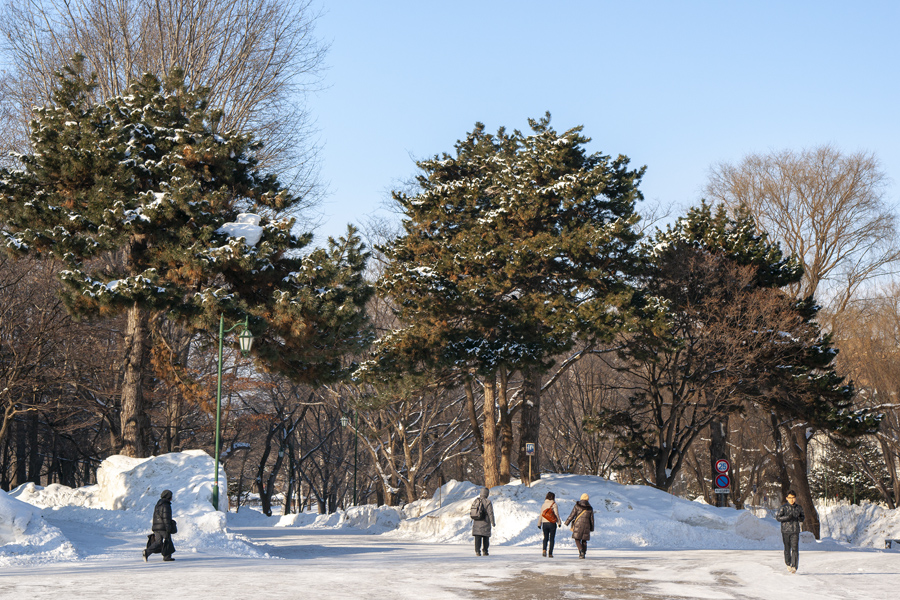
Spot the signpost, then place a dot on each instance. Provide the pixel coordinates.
(529, 451)
(721, 478)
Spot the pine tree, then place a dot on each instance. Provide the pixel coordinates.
(139, 197)
(512, 246)
(714, 330)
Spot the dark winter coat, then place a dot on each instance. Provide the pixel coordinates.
(483, 526)
(582, 520)
(790, 516)
(162, 516)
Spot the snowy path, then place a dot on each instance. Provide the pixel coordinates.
(309, 563)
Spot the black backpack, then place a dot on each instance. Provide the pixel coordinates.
(477, 510)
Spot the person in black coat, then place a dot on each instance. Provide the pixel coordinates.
(790, 515)
(163, 527)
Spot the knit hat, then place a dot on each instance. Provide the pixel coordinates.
(584, 496)
(166, 495)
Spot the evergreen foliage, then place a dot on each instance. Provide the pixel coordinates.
(713, 329)
(847, 474)
(132, 196)
(511, 246)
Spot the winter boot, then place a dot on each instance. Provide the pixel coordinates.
(544, 553)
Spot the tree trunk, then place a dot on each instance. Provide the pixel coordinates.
(797, 457)
(890, 459)
(530, 426)
(505, 427)
(778, 455)
(718, 449)
(35, 460)
(489, 455)
(134, 420)
(20, 473)
(473, 414)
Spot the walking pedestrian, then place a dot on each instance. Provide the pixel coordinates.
(482, 514)
(790, 515)
(163, 528)
(548, 522)
(582, 523)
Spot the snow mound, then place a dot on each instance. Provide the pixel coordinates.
(25, 535)
(126, 492)
(135, 483)
(373, 519)
(626, 516)
(863, 524)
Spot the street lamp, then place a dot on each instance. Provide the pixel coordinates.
(245, 339)
(345, 421)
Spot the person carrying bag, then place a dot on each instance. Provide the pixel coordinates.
(548, 522)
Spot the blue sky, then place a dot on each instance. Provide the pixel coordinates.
(675, 86)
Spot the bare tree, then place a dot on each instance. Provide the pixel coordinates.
(581, 392)
(258, 57)
(824, 206)
(870, 354)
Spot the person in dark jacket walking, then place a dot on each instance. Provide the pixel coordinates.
(481, 528)
(582, 520)
(163, 527)
(790, 515)
(548, 522)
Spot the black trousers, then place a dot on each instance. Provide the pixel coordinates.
(791, 549)
(482, 540)
(549, 530)
(581, 545)
(162, 543)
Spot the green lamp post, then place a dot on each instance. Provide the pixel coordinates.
(345, 421)
(245, 339)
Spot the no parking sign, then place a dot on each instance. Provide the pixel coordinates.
(722, 480)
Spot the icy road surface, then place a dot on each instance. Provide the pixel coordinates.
(306, 563)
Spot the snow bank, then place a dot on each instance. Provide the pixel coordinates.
(863, 524)
(126, 492)
(24, 533)
(625, 517)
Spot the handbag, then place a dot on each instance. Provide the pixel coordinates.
(173, 526)
(548, 515)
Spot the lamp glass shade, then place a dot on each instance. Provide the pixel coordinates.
(246, 341)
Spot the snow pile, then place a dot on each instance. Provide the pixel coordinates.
(368, 517)
(246, 226)
(24, 533)
(126, 493)
(863, 524)
(625, 517)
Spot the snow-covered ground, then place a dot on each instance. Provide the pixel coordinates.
(647, 544)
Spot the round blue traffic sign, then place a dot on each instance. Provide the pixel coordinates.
(723, 481)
